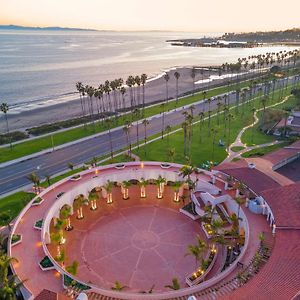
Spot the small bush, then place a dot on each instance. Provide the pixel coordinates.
(12, 137)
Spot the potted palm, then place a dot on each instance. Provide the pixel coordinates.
(143, 183)
(108, 187)
(125, 189)
(160, 182)
(65, 214)
(176, 186)
(93, 197)
(78, 203)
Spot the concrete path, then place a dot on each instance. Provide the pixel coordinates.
(238, 141)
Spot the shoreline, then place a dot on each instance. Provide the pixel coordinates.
(155, 91)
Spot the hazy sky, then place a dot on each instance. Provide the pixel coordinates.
(185, 15)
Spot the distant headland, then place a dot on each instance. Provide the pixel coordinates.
(244, 40)
(18, 27)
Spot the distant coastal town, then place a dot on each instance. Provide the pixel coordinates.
(243, 40)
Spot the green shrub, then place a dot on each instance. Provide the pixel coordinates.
(12, 137)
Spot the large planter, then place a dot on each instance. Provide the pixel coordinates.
(46, 264)
(16, 239)
(37, 201)
(38, 224)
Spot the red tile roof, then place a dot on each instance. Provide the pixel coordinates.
(282, 154)
(46, 295)
(285, 204)
(253, 178)
(279, 279)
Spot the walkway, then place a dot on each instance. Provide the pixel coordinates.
(238, 141)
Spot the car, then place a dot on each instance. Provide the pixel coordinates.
(59, 195)
(251, 165)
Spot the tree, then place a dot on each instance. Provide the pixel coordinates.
(72, 269)
(93, 197)
(108, 187)
(197, 250)
(201, 119)
(125, 189)
(48, 179)
(34, 178)
(160, 182)
(8, 285)
(143, 81)
(65, 213)
(118, 287)
(79, 202)
(176, 186)
(239, 201)
(167, 78)
(177, 76)
(145, 122)
(162, 120)
(108, 122)
(171, 154)
(136, 113)
(193, 75)
(126, 130)
(175, 284)
(253, 110)
(214, 133)
(137, 80)
(5, 108)
(80, 89)
(143, 183)
(71, 166)
(167, 131)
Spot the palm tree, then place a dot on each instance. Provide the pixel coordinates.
(108, 122)
(79, 87)
(48, 179)
(118, 287)
(56, 238)
(65, 213)
(160, 181)
(136, 113)
(143, 81)
(175, 284)
(79, 201)
(239, 201)
(176, 186)
(229, 118)
(5, 108)
(201, 116)
(125, 189)
(72, 269)
(143, 183)
(171, 154)
(126, 130)
(108, 187)
(253, 127)
(263, 102)
(184, 126)
(130, 82)
(162, 120)
(33, 177)
(177, 76)
(145, 122)
(167, 78)
(197, 250)
(167, 131)
(71, 166)
(137, 80)
(193, 75)
(8, 285)
(93, 197)
(214, 133)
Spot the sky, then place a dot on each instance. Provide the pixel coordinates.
(177, 15)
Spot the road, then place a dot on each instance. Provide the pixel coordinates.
(14, 176)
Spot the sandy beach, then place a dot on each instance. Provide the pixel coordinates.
(155, 90)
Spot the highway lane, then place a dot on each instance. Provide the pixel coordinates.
(14, 176)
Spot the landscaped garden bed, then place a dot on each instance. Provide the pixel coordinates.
(202, 271)
(38, 224)
(76, 177)
(69, 282)
(188, 211)
(46, 264)
(37, 201)
(16, 239)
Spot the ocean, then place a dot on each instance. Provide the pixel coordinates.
(42, 67)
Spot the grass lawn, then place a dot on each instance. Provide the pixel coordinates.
(253, 136)
(205, 150)
(11, 206)
(43, 143)
(264, 150)
(237, 148)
